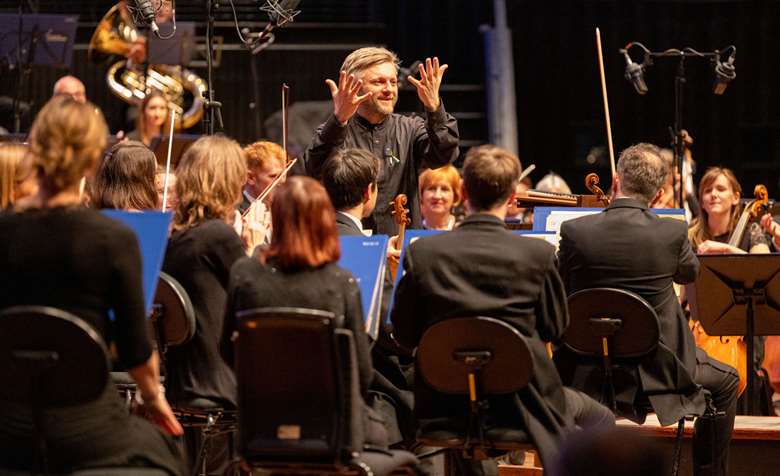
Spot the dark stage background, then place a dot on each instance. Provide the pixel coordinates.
(560, 118)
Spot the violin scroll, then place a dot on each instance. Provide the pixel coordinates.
(592, 184)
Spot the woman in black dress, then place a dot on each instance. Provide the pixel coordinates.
(59, 254)
(299, 269)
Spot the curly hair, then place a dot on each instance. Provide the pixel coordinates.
(67, 139)
(209, 178)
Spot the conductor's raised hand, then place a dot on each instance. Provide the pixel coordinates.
(346, 97)
(429, 83)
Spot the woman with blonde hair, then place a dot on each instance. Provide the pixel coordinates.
(62, 255)
(201, 251)
(719, 211)
(440, 191)
(17, 179)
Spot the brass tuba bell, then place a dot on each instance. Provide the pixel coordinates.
(116, 35)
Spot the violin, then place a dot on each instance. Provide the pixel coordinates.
(401, 216)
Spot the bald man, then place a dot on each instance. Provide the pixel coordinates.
(71, 86)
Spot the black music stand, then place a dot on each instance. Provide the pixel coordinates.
(738, 295)
(181, 142)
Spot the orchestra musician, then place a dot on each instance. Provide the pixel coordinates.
(363, 102)
(159, 185)
(350, 178)
(125, 179)
(628, 247)
(439, 194)
(152, 120)
(482, 269)
(60, 254)
(17, 180)
(299, 269)
(201, 250)
(70, 86)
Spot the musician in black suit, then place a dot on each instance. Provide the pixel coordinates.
(483, 269)
(350, 178)
(629, 247)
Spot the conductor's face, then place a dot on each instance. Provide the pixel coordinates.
(382, 82)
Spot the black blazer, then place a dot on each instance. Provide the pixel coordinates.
(482, 269)
(346, 226)
(629, 247)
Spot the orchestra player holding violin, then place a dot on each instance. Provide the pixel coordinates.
(60, 254)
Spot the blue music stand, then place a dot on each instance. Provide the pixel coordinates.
(366, 258)
(47, 39)
(151, 229)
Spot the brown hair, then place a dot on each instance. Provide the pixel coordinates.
(304, 226)
(67, 139)
(642, 171)
(489, 175)
(209, 178)
(364, 58)
(12, 171)
(140, 122)
(125, 179)
(260, 153)
(699, 231)
(448, 175)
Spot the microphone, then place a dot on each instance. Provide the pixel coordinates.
(635, 74)
(280, 13)
(143, 14)
(724, 74)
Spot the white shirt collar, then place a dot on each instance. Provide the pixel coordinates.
(357, 223)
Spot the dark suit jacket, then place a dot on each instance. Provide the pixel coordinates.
(482, 269)
(629, 247)
(346, 226)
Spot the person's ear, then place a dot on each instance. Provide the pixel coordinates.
(657, 198)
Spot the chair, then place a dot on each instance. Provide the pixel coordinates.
(173, 319)
(300, 409)
(43, 351)
(618, 327)
(479, 357)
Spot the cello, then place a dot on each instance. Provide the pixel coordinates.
(731, 350)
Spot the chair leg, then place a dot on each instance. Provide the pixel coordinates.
(678, 446)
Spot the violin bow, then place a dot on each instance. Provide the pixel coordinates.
(168, 162)
(606, 103)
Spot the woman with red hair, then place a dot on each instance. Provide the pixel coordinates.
(299, 269)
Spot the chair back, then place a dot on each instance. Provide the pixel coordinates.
(627, 319)
(174, 314)
(506, 362)
(297, 387)
(50, 358)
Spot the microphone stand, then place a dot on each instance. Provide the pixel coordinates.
(679, 87)
(213, 108)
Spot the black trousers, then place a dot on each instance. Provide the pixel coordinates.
(712, 436)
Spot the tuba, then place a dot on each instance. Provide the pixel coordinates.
(116, 35)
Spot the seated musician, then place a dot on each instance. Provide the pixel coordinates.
(553, 183)
(17, 180)
(201, 250)
(350, 179)
(265, 162)
(125, 179)
(482, 269)
(519, 214)
(92, 266)
(299, 269)
(710, 233)
(172, 200)
(153, 118)
(628, 247)
(439, 195)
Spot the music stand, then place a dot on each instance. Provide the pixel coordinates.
(175, 51)
(738, 295)
(46, 39)
(181, 142)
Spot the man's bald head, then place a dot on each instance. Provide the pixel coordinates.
(71, 86)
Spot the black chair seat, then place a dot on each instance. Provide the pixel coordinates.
(119, 471)
(450, 433)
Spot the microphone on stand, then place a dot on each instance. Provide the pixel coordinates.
(280, 13)
(143, 14)
(635, 74)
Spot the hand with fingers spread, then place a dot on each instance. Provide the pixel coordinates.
(346, 97)
(429, 83)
